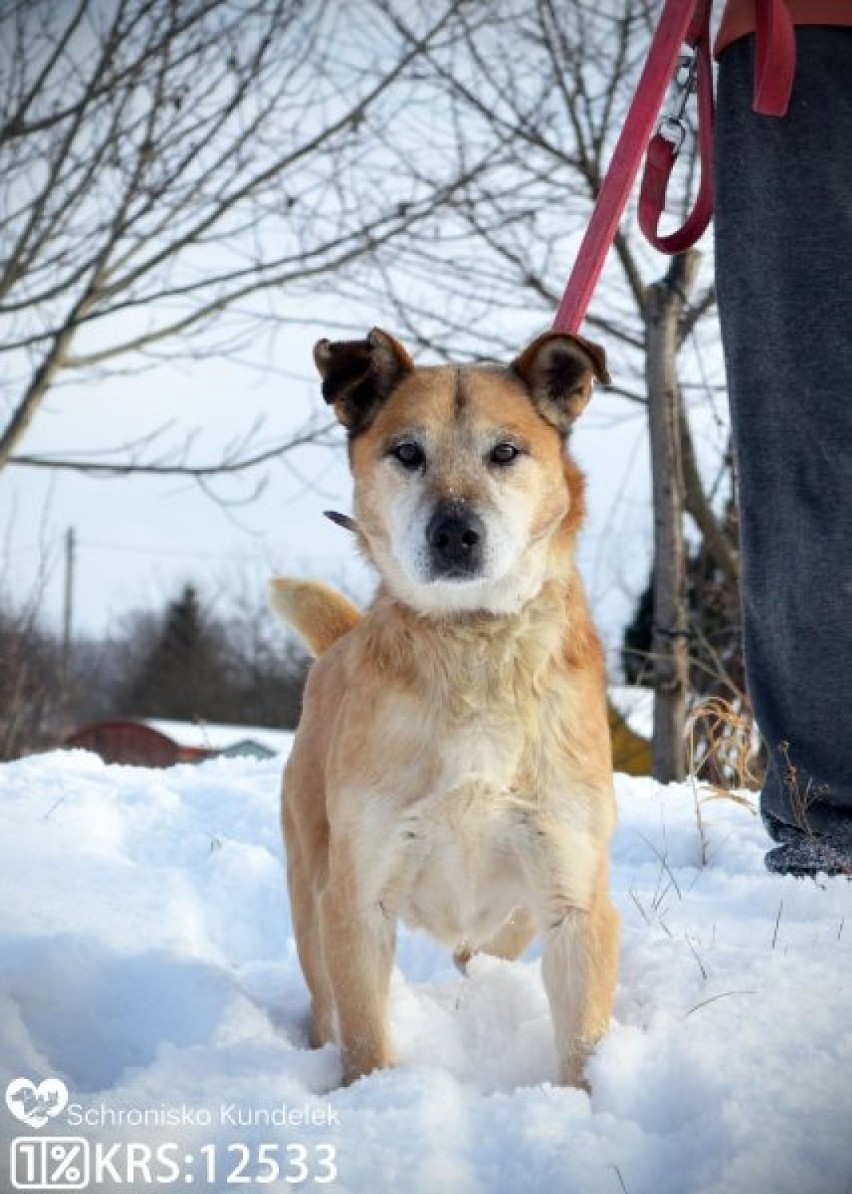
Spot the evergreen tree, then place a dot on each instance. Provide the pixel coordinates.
(191, 666)
(180, 674)
(715, 629)
(637, 638)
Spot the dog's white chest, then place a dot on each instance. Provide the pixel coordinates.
(459, 875)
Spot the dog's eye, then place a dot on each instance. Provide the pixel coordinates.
(504, 453)
(409, 454)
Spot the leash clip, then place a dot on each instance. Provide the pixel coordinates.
(684, 25)
(672, 126)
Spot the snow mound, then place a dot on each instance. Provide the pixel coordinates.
(147, 960)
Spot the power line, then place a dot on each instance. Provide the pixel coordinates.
(180, 553)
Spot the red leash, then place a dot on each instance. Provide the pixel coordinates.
(693, 72)
(683, 22)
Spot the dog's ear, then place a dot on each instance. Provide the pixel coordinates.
(358, 375)
(558, 369)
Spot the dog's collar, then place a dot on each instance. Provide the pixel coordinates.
(342, 520)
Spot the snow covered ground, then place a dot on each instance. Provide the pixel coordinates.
(147, 960)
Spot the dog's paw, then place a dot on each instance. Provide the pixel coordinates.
(361, 1067)
(572, 1073)
(461, 958)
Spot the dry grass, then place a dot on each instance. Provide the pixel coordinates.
(723, 747)
(725, 764)
(801, 800)
(723, 758)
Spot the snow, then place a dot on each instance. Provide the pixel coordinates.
(147, 960)
(209, 735)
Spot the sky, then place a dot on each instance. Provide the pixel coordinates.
(139, 539)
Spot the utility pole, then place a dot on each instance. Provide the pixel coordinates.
(68, 613)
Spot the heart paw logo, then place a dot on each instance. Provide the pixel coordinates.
(35, 1105)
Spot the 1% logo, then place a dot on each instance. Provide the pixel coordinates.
(50, 1163)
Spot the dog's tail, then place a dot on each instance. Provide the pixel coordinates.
(319, 614)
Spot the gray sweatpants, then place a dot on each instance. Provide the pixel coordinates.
(784, 273)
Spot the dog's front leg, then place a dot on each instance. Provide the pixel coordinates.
(359, 938)
(579, 972)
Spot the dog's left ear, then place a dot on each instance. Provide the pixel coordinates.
(358, 375)
(558, 369)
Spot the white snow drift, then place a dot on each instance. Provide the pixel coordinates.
(147, 960)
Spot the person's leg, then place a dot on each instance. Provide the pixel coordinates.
(784, 277)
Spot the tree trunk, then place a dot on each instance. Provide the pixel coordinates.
(665, 302)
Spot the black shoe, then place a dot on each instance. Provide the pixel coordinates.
(806, 856)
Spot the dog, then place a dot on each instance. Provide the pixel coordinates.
(452, 767)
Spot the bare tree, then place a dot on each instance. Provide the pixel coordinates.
(181, 176)
(30, 699)
(176, 176)
(665, 301)
(541, 90)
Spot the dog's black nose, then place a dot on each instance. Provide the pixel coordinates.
(456, 536)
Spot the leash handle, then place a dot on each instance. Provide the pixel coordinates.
(667, 141)
(682, 22)
(679, 19)
(774, 68)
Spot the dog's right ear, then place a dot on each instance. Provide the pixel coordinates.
(358, 375)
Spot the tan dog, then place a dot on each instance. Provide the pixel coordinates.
(452, 766)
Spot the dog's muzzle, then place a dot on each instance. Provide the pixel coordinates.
(456, 540)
